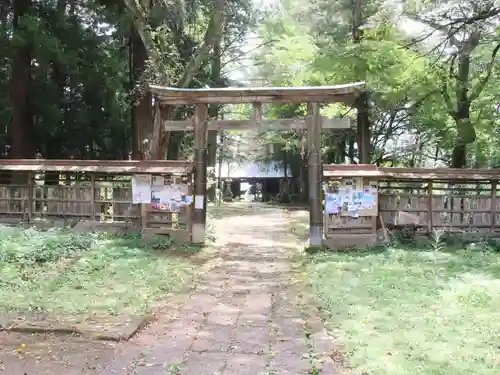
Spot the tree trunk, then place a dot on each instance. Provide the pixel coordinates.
(59, 78)
(466, 133)
(362, 104)
(459, 156)
(350, 150)
(212, 35)
(174, 145)
(363, 122)
(23, 129)
(285, 164)
(214, 111)
(141, 110)
(53, 145)
(340, 154)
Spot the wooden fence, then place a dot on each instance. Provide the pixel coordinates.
(461, 201)
(89, 194)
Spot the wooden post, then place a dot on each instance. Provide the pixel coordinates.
(257, 113)
(314, 174)
(200, 173)
(92, 194)
(429, 206)
(30, 197)
(493, 206)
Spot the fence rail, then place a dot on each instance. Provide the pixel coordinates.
(48, 192)
(465, 201)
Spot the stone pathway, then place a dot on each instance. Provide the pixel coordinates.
(243, 319)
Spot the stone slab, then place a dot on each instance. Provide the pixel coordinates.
(213, 338)
(208, 363)
(104, 328)
(246, 364)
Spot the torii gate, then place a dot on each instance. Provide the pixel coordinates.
(166, 97)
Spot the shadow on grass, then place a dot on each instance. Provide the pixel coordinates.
(158, 245)
(354, 252)
(428, 245)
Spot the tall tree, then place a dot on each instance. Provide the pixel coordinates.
(23, 129)
(405, 68)
(362, 104)
(141, 109)
(464, 25)
(159, 137)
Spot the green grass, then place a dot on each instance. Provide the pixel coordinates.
(408, 312)
(64, 273)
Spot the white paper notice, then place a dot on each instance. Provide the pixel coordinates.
(172, 194)
(332, 204)
(141, 188)
(198, 202)
(331, 208)
(158, 181)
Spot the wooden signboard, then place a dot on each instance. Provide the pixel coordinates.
(165, 205)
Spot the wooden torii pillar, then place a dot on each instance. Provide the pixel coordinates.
(200, 121)
(314, 174)
(314, 123)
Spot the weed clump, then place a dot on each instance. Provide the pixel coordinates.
(31, 246)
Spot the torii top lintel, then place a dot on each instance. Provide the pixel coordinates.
(346, 93)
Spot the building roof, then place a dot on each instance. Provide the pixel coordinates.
(252, 170)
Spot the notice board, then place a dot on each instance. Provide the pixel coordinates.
(353, 197)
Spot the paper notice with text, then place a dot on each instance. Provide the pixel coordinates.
(141, 188)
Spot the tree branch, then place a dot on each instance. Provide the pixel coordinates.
(445, 29)
(140, 21)
(159, 137)
(476, 91)
(229, 44)
(451, 108)
(214, 31)
(481, 16)
(415, 41)
(243, 54)
(454, 26)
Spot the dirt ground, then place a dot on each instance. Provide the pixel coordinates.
(244, 317)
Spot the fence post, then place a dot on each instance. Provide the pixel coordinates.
(429, 206)
(493, 205)
(92, 193)
(30, 197)
(200, 173)
(314, 174)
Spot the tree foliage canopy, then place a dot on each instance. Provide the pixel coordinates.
(73, 73)
(432, 71)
